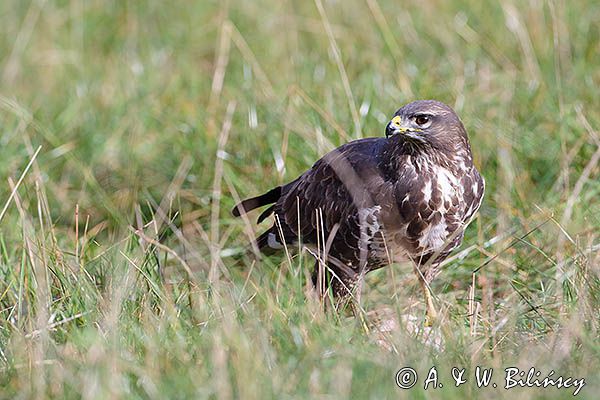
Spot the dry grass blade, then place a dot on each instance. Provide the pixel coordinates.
(16, 187)
(216, 189)
(342, 70)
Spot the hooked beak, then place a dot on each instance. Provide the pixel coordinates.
(391, 129)
(395, 127)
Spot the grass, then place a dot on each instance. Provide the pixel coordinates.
(122, 273)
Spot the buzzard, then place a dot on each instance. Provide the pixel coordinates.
(374, 201)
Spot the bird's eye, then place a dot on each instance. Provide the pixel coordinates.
(421, 119)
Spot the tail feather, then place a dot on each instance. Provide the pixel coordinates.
(271, 240)
(278, 235)
(250, 204)
(265, 214)
(268, 242)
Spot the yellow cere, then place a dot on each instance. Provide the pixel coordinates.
(396, 120)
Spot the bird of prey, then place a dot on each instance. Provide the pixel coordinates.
(374, 201)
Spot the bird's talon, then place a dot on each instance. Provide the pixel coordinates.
(430, 320)
(428, 323)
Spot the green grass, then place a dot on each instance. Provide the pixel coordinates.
(131, 102)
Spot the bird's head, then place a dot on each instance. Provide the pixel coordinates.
(428, 122)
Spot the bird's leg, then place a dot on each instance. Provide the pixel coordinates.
(431, 313)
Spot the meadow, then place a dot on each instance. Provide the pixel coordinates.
(128, 130)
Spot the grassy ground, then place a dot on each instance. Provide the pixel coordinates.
(117, 116)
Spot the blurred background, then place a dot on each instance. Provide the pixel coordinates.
(128, 130)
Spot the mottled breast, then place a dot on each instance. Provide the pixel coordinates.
(433, 205)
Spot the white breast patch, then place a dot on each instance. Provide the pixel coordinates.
(427, 192)
(447, 183)
(433, 237)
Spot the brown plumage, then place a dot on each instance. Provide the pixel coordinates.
(373, 201)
